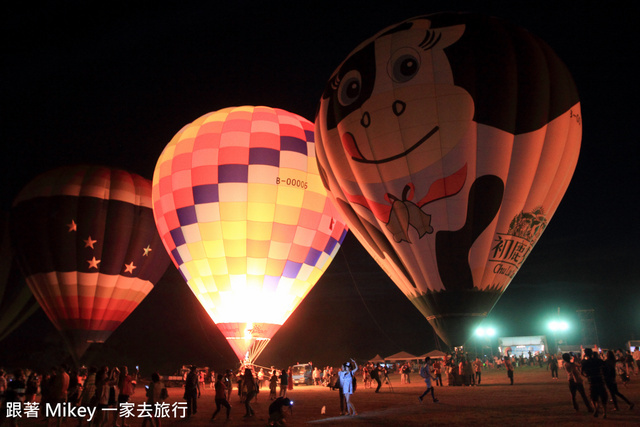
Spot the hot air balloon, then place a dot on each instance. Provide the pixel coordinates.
(243, 214)
(86, 241)
(447, 142)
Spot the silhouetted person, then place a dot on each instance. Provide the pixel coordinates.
(575, 381)
(592, 367)
(375, 375)
(192, 391)
(609, 372)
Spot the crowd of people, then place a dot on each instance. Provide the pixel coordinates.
(111, 387)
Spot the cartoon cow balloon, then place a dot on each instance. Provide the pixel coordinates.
(448, 141)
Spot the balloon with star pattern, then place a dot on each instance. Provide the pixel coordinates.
(85, 239)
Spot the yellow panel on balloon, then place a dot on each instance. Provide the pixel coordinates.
(197, 250)
(233, 211)
(234, 230)
(237, 265)
(258, 248)
(262, 193)
(264, 212)
(287, 215)
(275, 266)
(235, 248)
(210, 230)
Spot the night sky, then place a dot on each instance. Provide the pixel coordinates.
(112, 86)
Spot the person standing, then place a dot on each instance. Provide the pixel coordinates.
(228, 382)
(125, 390)
(636, 358)
(273, 384)
(553, 366)
(592, 368)
(477, 367)
(466, 372)
(250, 384)
(375, 375)
(509, 366)
(32, 387)
(290, 375)
(437, 370)
(221, 397)
(284, 383)
(156, 395)
(260, 378)
(426, 372)
(334, 384)
(347, 381)
(192, 391)
(60, 387)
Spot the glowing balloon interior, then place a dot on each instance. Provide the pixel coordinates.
(86, 241)
(241, 209)
(447, 142)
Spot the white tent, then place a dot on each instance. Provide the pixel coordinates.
(377, 359)
(403, 356)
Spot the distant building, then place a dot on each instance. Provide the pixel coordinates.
(521, 346)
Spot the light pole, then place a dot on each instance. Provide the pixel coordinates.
(557, 326)
(487, 332)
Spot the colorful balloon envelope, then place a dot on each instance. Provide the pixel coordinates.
(447, 142)
(87, 244)
(242, 211)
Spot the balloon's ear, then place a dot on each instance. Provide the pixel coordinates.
(438, 37)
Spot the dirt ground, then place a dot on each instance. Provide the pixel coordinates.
(535, 398)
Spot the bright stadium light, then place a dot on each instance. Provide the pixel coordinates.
(558, 325)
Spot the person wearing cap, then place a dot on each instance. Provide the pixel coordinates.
(346, 376)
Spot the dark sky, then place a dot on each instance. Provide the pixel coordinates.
(113, 85)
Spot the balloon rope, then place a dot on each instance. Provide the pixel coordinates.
(355, 285)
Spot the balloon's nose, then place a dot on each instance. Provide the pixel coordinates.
(365, 121)
(398, 107)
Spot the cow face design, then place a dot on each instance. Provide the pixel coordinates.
(391, 102)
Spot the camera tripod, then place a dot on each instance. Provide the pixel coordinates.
(387, 381)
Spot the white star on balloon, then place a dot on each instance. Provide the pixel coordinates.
(93, 262)
(128, 268)
(147, 250)
(89, 243)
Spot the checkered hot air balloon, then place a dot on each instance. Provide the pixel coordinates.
(242, 211)
(86, 241)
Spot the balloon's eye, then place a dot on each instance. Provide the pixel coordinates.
(349, 88)
(404, 65)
